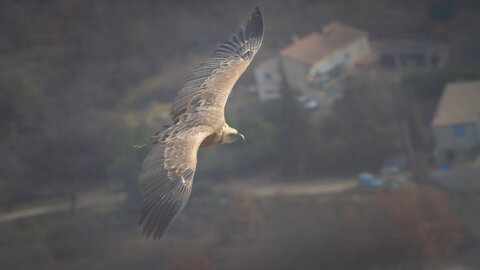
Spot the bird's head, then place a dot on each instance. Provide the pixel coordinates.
(231, 135)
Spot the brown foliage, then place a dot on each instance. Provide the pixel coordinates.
(412, 223)
(187, 260)
(353, 235)
(242, 211)
(417, 222)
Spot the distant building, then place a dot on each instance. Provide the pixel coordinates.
(316, 64)
(410, 54)
(456, 125)
(268, 78)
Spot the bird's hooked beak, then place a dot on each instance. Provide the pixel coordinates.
(241, 137)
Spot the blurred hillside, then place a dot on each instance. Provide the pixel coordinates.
(82, 81)
(72, 71)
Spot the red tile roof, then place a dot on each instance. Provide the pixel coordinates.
(316, 46)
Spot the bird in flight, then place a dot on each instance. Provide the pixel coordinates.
(166, 176)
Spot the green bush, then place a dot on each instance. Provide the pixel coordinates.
(430, 84)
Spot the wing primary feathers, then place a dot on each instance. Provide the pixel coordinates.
(247, 39)
(241, 34)
(230, 43)
(254, 27)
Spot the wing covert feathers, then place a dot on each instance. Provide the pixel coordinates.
(166, 177)
(226, 64)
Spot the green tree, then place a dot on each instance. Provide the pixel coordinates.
(294, 131)
(359, 133)
(125, 161)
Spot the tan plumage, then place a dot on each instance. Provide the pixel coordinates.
(167, 172)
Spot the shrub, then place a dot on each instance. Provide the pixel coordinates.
(187, 260)
(406, 224)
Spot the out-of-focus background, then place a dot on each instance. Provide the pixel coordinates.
(362, 120)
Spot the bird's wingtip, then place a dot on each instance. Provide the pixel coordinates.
(255, 24)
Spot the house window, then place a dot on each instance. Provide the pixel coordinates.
(413, 60)
(330, 92)
(387, 60)
(450, 156)
(435, 61)
(271, 92)
(459, 130)
(268, 77)
(361, 48)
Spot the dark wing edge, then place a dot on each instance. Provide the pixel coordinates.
(244, 44)
(166, 178)
(248, 39)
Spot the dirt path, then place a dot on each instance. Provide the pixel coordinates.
(260, 190)
(84, 201)
(302, 188)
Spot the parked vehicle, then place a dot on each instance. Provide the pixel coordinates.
(369, 180)
(366, 179)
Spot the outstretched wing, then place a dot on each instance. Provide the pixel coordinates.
(166, 176)
(167, 173)
(210, 84)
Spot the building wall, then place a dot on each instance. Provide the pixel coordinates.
(456, 142)
(407, 55)
(356, 51)
(296, 73)
(359, 49)
(446, 138)
(268, 79)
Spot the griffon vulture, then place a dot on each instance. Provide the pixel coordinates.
(166, 176)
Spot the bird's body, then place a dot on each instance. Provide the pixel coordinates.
(197, 112)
